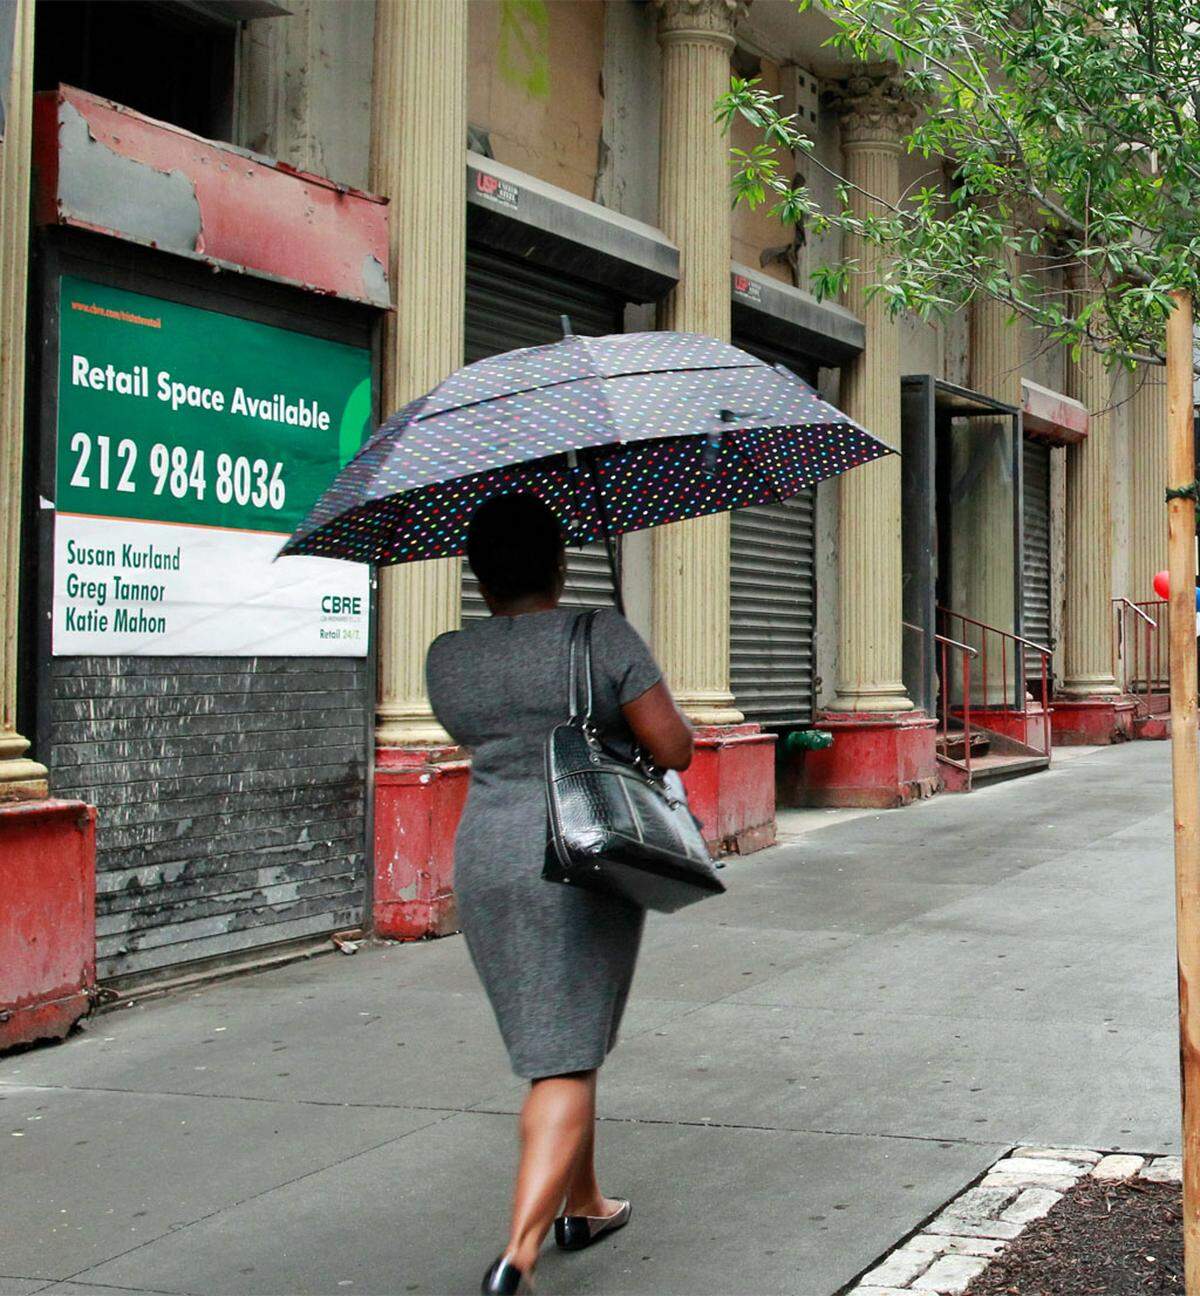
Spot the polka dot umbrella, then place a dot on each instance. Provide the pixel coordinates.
(615, 433)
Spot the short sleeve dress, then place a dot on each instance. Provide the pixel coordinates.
(556, 962)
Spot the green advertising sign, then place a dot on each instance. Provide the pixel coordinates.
(189, 442)
(170, 413)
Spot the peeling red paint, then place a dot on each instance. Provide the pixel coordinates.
(257, 215)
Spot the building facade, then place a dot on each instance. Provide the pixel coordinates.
(382, 190)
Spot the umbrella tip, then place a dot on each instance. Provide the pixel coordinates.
(565, 321)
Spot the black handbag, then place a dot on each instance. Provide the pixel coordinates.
(617, 825)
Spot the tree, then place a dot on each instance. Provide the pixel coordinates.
(1069, 134)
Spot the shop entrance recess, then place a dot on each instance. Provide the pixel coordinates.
(967, 658)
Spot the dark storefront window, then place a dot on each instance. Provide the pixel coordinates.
(172, 61)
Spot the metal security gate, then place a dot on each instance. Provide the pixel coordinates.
(1036, 558)
(773, 610)
(233, 791)
(512, 304)
(772, 594)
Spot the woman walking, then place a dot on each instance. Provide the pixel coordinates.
(556, 961)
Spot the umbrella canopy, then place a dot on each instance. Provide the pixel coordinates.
(615, 433)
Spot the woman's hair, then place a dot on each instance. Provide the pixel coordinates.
(515, 546)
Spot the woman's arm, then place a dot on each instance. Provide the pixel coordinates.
(660, 727)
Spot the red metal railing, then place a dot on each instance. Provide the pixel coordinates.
(1140, 646)
(945, 707)
(1003, 690)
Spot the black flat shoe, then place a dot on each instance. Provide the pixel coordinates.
(574, 1232)
(505, 1279)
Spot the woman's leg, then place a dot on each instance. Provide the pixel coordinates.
(583, 1189)
(557, 1123)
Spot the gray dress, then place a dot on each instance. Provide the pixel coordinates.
(556, 962)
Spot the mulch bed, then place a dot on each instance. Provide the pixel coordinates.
(1101, 1239)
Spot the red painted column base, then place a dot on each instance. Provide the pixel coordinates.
(878, 760)
(731, 787)
(47, 918)
(1028, 726)
(419, 796)
(1093, 721)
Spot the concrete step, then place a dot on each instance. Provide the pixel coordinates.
(954, 745)
(995, 768)
(987, 769)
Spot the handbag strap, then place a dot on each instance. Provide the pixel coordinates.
(581, 633)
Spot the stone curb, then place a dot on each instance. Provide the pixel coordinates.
(959, 1243)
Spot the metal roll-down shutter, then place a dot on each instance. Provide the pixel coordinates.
(772, 595)
(512, 304)
(773, 610)
(1036, 559)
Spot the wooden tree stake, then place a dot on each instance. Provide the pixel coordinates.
(1185, 761)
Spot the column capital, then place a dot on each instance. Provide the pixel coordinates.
(874, 106)
(699, 20)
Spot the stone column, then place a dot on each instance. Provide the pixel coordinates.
(691, 559)
(1147, 414)
(1088, 615)
(874, 113)
(20, 777)
(419, 134)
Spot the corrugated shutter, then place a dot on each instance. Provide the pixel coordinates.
(772, 594)
(1036, 564)
(511, 304)
(773, 610)
(232, 799)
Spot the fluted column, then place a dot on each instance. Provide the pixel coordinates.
(1088, 614)
(982, 574)
(20, 777)
(1147, 413)
(419, 132)
(691, 559)
(874, 113)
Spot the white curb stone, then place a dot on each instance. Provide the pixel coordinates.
(958, 1227)
(1060, 1183)
(1163, 1170)
(1032, 1204)
(1015, 1165)
(862, 1290)
(1117, 1166)
(940, 1245)
(1083, 1155)
(979, 1204)
(899, 1268)
(950, 1274)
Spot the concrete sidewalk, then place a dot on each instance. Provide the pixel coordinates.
(812, 1064)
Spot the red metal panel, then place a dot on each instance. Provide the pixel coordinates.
(47, 918)
(882, 760)
(419, 798)
(107, 168)
(731, 787)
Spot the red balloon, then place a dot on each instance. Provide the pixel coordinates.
(1162, 584)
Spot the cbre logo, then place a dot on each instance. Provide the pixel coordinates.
(341, 604)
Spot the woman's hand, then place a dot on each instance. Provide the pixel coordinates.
(660, 728)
